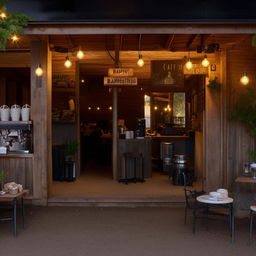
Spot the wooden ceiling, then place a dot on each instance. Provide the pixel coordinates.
(175, 42)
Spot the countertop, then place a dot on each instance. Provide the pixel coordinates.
(169, 137)
(10, 155)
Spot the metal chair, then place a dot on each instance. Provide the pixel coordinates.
(192, 204)
(252, 213)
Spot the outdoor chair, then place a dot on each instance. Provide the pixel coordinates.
(192, 204)
(252, 213)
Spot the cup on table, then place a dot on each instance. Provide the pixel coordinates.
(223, 193)
(215, 195)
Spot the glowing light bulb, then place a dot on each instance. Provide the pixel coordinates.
(82, 81)
(3, 15)
(80, 54)
(14, 38)
(189, 64)
(205, 62)
(165, 109)
(110, 108)
(39, 71)
(155, 108)
(98, 108)
(244, 79)
(89, 108)
(67, 63)
(140, 61)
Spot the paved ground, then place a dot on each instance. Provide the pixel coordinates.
(82, 231)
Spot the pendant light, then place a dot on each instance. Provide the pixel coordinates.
(244, 79)
(189, 64)
(39, 71)
(80, 54)
(205, 62)
(14, 38)
(67, 63)
(140, 61)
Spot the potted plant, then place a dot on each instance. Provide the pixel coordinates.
(245, 112)
(3, 176)
(69, 160)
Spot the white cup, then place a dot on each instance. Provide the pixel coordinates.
(223, 192)
(215, 195)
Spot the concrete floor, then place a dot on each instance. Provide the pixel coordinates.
(81, 231)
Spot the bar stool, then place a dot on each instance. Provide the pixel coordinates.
(252, 213)
(135, 158)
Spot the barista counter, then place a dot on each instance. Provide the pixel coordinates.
(18, 168)
(183, 144)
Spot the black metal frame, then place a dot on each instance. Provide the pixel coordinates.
(251, 222)
(14, 217)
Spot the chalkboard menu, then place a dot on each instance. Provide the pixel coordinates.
(167, 73)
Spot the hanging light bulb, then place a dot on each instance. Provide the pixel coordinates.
(155, 108)
(189, 64)
(3, 15)
(80, 54)
(140, 61)
(14, 38)
(205, 62)
(39, 71)
(67, 63)
(89, 108)
(244, 79)
(98, 108)
(110, 108)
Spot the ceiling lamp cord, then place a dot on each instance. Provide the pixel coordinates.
(140, 61)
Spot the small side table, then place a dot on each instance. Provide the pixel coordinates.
(228, 202)
(14, 199)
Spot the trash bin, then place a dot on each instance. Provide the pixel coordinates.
(166, 154)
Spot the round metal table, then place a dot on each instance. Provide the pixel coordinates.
(207, 199)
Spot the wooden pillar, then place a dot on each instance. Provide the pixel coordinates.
(41, 116)
(115, 135)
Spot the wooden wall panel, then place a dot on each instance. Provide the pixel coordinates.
(15, 59)
(19, 170)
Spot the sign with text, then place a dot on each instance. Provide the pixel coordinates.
(167, 73)
(120, 81)
(120, 72)
(197, 69)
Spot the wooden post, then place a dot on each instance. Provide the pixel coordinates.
(115, 134)
(41, 116)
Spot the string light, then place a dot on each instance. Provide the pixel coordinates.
(110, 108)
(14, 38)
(39, 71)
(67, 63)
(98, 108)
(82, 81)
(80, 54)
(155, 108)
(244, 79)
(89, 108)
(3, 15)
(205, 62)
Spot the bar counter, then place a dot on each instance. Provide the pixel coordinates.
(10, 155)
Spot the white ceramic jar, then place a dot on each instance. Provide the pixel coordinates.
(25, 112)
(4, 113)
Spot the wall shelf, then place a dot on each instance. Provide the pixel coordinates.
(19, 125)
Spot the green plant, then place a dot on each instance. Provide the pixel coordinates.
(71, 148)
(245, 110)
(214, 85)
(14, 23)
(3, 176)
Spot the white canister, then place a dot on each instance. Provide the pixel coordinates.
(25, 112)
(4, 113)
(15, 112)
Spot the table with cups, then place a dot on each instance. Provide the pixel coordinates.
(221, 198)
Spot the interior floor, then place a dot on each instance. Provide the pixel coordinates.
(96, 181)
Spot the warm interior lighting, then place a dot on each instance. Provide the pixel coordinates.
(165, 109)
(14, 38)
(39, 71)
(140, 61)
(168, 108)
(82, 81)
(67, 63)
(244, 79)
(89, 108)
(205, 62)
(3, 15)
(80, 54)
(98, 108)
(110, 108)
(155, 108)
(189, 64)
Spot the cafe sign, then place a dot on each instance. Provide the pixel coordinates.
(119, 81)
(120, 77)
(120, 72)
(197, 69)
